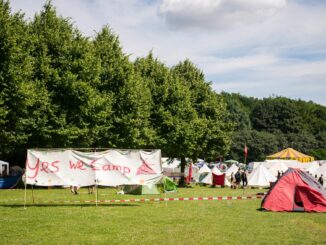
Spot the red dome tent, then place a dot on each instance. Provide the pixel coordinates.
(296, 190)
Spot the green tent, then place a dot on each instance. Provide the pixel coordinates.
(166, 185)
(141, 189)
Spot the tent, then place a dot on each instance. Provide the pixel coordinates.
(321, 171)
(171, 165)
(166, 184)
(141, 189)
(291, 154)
(231, 161)
(205, 175)
(233, 169)
(312, 167)
(261, 177)
(278, 166)
(296, 190)
(4, 168)
(216, 172)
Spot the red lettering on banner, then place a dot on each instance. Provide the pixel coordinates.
(35, 169)
(116, 167)
(93, 165)
(79, 165)
(54, 165)
(45, 167)
(106, 167)
(126, 170)
(113, 167)
(42, 166)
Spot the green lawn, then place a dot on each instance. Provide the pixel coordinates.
(175, 222)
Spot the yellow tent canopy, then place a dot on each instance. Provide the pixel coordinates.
(291, 154)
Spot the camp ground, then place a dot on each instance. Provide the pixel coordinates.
(138, 192)
(162, 122)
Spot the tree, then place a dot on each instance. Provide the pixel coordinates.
(66, 68)
(210, 131)
(22, 100)
(131, 102)
(277, 115)
(238, 114)
(260, 145)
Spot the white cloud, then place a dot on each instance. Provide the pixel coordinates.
(217, 13)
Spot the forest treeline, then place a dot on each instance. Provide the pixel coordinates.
(61, 89)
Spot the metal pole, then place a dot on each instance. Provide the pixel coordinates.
(25, 197)
(33, 193)
(96, 193)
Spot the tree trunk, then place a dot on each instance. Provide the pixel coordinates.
(182, 182)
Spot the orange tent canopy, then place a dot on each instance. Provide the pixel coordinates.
(291, 154)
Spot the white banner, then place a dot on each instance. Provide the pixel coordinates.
(107, 168)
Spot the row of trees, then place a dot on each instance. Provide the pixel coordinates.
(272, 124)
(59, 88)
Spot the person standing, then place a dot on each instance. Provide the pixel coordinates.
(321, 180)
(244, 179)
(232, 181)
(237, 178)
(278, 174)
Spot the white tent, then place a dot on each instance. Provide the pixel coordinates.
(261, 177)
(216, 171)
(320, 171)
(205, 175)
(171, 165)
(278, 166)
(204, 169)
(4, 166)
(312, 167)
(288, 163)
(233, 169)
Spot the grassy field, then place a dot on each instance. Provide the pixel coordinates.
(176, 222)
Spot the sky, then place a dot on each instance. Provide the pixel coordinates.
(258, 48)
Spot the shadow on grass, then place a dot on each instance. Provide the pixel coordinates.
(262, 210)
(68, 205)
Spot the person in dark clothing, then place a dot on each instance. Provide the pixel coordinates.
(232, 181)
(244, 179)
(278, 174)
(321, 180)
(237, 178)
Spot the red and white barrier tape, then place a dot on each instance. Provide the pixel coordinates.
(167, 199)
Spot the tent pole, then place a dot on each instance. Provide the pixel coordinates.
(33, 194)
(96, 193)
(25, 197)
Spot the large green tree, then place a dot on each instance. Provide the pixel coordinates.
(22, 100)
(65, 66)
(130, 96)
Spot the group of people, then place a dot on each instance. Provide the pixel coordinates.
(239, 179)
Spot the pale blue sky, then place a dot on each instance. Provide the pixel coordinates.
(257, 48)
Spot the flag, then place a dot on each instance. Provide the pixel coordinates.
(245, 151)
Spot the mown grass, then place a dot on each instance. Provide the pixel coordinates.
(176, 222)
